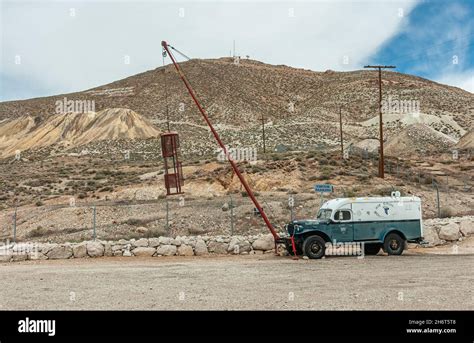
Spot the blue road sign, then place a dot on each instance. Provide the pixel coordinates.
(323, 188)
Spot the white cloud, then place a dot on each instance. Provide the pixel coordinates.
(62, 53)
(464, 80)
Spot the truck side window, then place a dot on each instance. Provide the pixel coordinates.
(343, 215)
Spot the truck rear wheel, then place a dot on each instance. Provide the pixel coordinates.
(314, 247)
(372, 249)
(393, 244)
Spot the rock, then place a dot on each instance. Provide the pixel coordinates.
(144, 251)
(60, 252)
(166, 250)
(225, 207)
(108, 249)
(218, 247)
(153, 242)
(123, 242)
(466, 227)
(142, 242)
(449, 232)
(264, 243)
(165, 240)
(430, 234)
(95, 249)
(37, 256)
(118, 253)
(5, 257)
(232, 244)
(176, 242)
(117, 247)
(19, 257)
(243, 245)
(127, 253)
(79, 250)
(46, 247)
(200, 248)
(185, 250)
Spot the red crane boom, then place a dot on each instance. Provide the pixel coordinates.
(216, 136)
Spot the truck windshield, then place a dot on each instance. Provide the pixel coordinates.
(324, 214)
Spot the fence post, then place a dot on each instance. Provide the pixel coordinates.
(291, 204)
(94, 222)
(14, 225)
(231, 216)
(435, 184)
(167, 216)
(447, 187)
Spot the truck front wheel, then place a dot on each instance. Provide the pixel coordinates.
(314, 247)
(393, 244)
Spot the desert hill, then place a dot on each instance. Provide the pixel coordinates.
(419, 138)
(300, 107)
(466, 141)
(73, 129)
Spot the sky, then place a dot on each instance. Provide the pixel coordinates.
(55, 47)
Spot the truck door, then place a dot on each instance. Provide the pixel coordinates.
(342, 227)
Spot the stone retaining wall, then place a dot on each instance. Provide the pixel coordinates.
(157, 247)
(436, 232)
(440, 231)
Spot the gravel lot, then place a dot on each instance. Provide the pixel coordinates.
(429, 282)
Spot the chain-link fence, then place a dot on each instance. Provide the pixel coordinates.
(184, 214)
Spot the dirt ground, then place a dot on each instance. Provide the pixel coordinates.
(257, 282)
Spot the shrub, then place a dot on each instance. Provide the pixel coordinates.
(38, 232)
(136, 221)
(446, 212)
(350, 193)
(324, 176)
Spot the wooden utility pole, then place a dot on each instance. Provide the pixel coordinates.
(381, 159)
(263, 133)
(340, 127)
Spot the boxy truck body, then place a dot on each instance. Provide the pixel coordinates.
(369, 220)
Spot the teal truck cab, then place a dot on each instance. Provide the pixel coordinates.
(375, 223)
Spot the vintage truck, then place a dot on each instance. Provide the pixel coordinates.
(377, 222)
